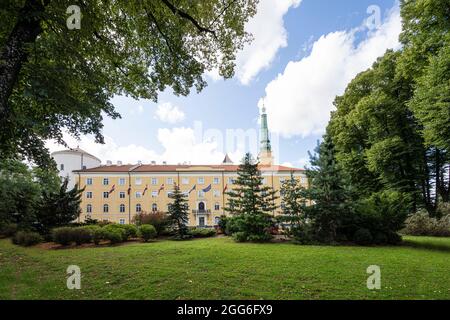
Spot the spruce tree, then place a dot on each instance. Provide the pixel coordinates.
(179, 213)
(294, 208)
(251, 202)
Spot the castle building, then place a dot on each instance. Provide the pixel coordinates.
(119, 192)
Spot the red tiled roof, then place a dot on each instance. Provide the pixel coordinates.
(178, 168)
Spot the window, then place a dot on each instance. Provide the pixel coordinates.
(154, 181)
(105, 208)
(201, 194)
(138, 207)
(185, 181)
(105, 181)
(154, 194)
(138, 194)
(105, 194)
(216, 206)
(201, 180)
(89, 208)
(138, 181)
(122, 221)
(121, 181)
(216, 220)
(216, 181)
(154, 207)
(230, 180)
(122, 194)
(169, 180)
(216, 193)
(61, 167)
(89, 195)
(122, 208)
(84, 167)
(89, 181)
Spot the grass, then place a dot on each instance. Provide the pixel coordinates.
(218, 268)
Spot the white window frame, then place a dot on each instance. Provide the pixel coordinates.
(89, 181)
(185, 180)
(170, 181)
(89, 194)
(122, 181)
(216, 180)
(122, 206)
(106, 206)
(138, 181)
(138, 205)
(201, 180)
(154, 181)
(122, 221)
(89, 208)
(105, 195)
(122, 195)
(105, 181)
(138, 194)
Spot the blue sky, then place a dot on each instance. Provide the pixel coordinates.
(306, 52)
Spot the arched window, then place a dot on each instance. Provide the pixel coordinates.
(122, 208)
(89, 208)
(216, 220)
(138, 207)
(201, 206)
(105, 208)
(154, 207)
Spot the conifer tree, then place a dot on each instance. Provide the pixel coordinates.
(179, 213)
(251, 202)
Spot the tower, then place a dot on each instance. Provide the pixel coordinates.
(265, 150)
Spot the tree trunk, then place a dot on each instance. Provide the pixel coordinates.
(14, 53)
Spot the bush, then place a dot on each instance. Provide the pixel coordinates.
(421, 224)
(131, 231)
(202, 233)
(240, 236)
(98, 234)
(117, 228)
(264, 237)
(223, 223)
(8, 229)
(363, 237)
(26, 238)
(62, 235)
(159, 220)
(81, 235)
(232, 225)
(147, 232)
(113, 235)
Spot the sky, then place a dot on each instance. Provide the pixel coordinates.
(303, 55)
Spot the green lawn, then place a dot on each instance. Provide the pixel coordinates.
(218, 268)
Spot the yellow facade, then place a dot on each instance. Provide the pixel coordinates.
(205, 208)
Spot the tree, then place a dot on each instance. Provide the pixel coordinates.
(53, 78)
(179, 213)
(294, 206)
(58, 208)
(328, 192)
(251, 202)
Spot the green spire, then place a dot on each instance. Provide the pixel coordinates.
(264, 134)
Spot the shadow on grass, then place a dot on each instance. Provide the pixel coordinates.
(427, 245)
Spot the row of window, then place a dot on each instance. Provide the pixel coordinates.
(170, 181)
(138, 207)
(139, 194)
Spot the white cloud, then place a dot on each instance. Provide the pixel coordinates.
(166, 112)
(299, 100)
(269, 35)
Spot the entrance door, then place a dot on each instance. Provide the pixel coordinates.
(201, 221)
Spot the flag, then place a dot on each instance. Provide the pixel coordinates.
(161, 188)
(208, 188)
(129, 190)
(112, 189)
(192, 189)
(225, 189)
(146, 188)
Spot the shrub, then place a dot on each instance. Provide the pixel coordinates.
(159, 220)
(98, 234)
(27, 238)
(240, 236)
(81, 235)
(131, 231)
(202, 233)
(117, 228)
(380, 238)
(232, 225)
(263, 237)
(363, 237)
(113, 235)
(393, 238)
(8, 229)
(223, 223)
(62, 235)
(421, 224)
(147, 232)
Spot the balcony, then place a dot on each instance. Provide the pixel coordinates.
(201, 212)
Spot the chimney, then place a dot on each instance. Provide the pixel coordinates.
(153, 162)
(119, 163)
(108, 162)
(164, 162)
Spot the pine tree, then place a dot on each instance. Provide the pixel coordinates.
(294, 207)
(58, 208)
(251, 202)
(327, 191)
(179, 213)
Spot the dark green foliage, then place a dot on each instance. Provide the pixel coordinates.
(97, 233)
(202, 233)
(27, 238)
(130, 230)
(223, 223)
(240, 236)
(179, 213)
(147, 232)
(113, 235)
(363, 237)
(159, 220)
(8, 229)
(57, 79)
(251, 201)
(119, 228)
(81, 235)
(58, 208)
(62, 235)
